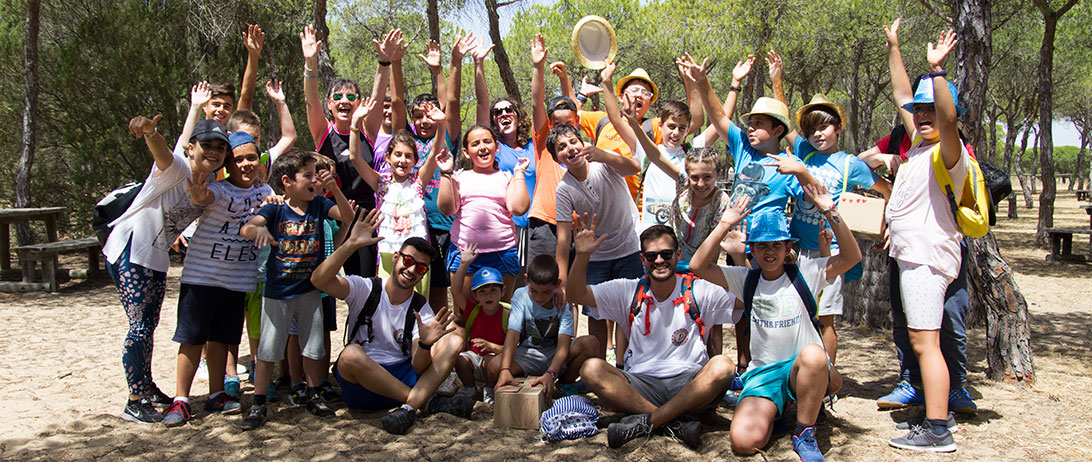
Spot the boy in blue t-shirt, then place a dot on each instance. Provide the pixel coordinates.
(295, 228)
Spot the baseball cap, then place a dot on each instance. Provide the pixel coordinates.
(209, 129)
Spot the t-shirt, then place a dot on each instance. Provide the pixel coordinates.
(537, 325)
(436, 219)
(507, 158)
(658, 190)
(387, 323)
(380, 163)
(159, 213)
(487, 327)
(218, 256)
(780, 323)
(335, 145)
(830, 171)
(483, 216)
(548, 175)
(610, 140)
(603, 193)
(402, 206)
(757, 176)
(693, 224)
(674, 343)
(300, 249)
(919, 217)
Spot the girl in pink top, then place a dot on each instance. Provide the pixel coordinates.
(483, 201)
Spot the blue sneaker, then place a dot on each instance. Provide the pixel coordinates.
(271, 394)
(959, 400)
(737, 383)
(806, 447)
(903, 395)
(231, 387)
(730, 399)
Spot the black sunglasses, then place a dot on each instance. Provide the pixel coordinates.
(666, 254)
(504, 110)
(420, 268)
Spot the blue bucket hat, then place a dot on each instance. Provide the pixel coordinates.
(239, 138)
(769, 227)
(485, 276)
(924, 95)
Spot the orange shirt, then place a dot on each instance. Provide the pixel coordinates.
(609, 140)
(548, 174)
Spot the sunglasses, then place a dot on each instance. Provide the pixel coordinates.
(666, 254)
(348, 96)
(420, 268)
(504, 110)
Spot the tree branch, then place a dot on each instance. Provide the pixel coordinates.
(932, 9)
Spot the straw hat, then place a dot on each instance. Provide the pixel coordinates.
(768, 107)
(821, 100)
(594, 42)
(638, 74)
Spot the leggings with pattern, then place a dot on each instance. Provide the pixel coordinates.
(141, 291)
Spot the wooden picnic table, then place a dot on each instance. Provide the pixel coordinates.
(1082, 194)
(9, 217)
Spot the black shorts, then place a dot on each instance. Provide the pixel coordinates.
(438, 275)
(329, 313)
(209, 314)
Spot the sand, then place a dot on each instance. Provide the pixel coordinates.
(64, 388)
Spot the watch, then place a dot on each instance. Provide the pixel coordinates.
(735, 88)
(423, 346)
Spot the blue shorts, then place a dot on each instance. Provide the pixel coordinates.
(627, 267)
(358, 397)
(505, 261)
(771, 382)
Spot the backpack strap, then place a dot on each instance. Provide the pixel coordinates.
(417, 301)
(599, 126)
(646, 125)
(470, 319)
(895, 139)
(640, 297)
(750, 285)
(690, 304)
(363, 315)
(804, 291)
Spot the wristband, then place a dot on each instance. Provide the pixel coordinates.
(581, 97)
(384, 63)
(308, 76)
(447, 172)
(940, 73)
(354, 129)
(506, 369)
(735, 88)
(423, 346)
(552, 374)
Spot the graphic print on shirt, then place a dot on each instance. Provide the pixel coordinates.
(831, 179)
(231, 246)
(776, 312)
(299, 256)
(542, 331)
(749, 182)
(176, 220)
(679, 337)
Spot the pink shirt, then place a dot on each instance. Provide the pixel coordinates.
(483, 216)
(922, 227)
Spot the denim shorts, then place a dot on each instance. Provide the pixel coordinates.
(505, 261)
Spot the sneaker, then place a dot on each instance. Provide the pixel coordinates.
(460, 405)
(240, 369)
(178, 414)
(685, 429)
(487, 394)
(920, 420)
(922, 438)
(737, 383)
(730, 399)
(317, 406)
(271, 394)
(141, 411)
(903, 395)
(255, 417)
(283, 383)
(202, 370)
(158, 398)
(223, 404)
(326, 390)
(611, 358)
(448, 388)
(806, 447)
(959, 400)
(231, 387)
(399, 421)
(630, 428)
(298, 395)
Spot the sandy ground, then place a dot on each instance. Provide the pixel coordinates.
(63, 390)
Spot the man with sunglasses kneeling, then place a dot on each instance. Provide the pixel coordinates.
(668, 378)
(397, 350)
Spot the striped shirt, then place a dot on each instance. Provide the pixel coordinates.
(218, 256)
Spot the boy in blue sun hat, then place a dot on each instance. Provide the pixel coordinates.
(484, 321)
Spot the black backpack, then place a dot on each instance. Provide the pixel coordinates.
(362, 315)
(111, 207)
(751, 284)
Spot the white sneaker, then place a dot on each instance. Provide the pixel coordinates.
(202, 370)
(240, 369)
(611, 358)
(448, 388)
(487, 395)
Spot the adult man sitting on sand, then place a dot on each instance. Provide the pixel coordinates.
(667, 370)
(379, 368)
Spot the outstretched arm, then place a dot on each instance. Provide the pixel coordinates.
(481, 90)
(614, 113)
(901, 87)
(719, 115)
(432, 60)
(424, 176)
(325, 277)
(951, 147)
(462, 46)
(200, 95)
(143, 126)
(562, 74)
(367, 173)
(624, 165)
(773, 60)
(288, 129)
(693, 100)
(458, 292)
(538, 82)
(252, 39)
(385, 52)
(652, 152)
(316, 118)
(702, 264)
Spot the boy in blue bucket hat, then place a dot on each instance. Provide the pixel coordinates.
(788, 360)
(483, 320)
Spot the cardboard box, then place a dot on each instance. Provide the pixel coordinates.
(863, 215)
(519, 406)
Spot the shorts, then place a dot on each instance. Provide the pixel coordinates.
(438, 275)
(541, 239)
(505, 261)
(253, 308)
(386, 269)
(329, 316)
(660, 390)
(522, 241)
(277, 315)
(358, 397)
(209, 314)
(922, 290)
(535, 360)
(478, 361)
(831, 300)
(627, 267)
(770, 381)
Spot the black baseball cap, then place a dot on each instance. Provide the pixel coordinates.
(209, 129)
(561, 103)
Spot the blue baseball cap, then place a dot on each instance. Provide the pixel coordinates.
(486, 276)
(769, 226)
(924, 95)
(239, 138)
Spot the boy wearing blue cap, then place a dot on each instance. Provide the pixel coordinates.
(484, 323)
(788, 360)
(220, 269)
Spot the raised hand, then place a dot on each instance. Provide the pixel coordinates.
(480, 52)
(200, 94)
(818, 195)
(607, 74)
(558, 67)
(787, 164)
(539, 53)
(522, 164)
(327, 179)
(275, 91)
(253, 39)
(363, 109)
(691, 69)
(434, 112)
(397, 47)
(444, 161)
(469, 254)
(892, 34)
(936, 54)
(362, 232)
(588, 89)
(773, 60)
(142, 126)
(734, 215)
(743, 68)
(391, 44)
(584, 240)
(309, 43)
(432, 54)
(734, 239)
(463, 45)
(826, 236)
(432, 331)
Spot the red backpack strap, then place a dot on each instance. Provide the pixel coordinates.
(689, 303)
(641, 297)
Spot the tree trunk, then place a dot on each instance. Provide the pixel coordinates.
(1046, 118)
(30, 117)
(1020, 169)
(1035, 164)
(1008, 345)
(973, 25)
(500, 55)
(322, 32)
(1011, 131)
(432, 10)
(868, 300)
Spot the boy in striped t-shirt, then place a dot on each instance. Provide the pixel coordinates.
(221, 267)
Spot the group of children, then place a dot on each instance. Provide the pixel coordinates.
(616, 213)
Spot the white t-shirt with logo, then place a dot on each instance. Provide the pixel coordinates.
(387, 323)
(674, 344)
(780, 323)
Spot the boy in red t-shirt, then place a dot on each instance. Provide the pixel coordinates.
(484, 321)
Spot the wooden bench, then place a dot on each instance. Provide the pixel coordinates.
(47, 253)
(1082, 194)
(1061, 243)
